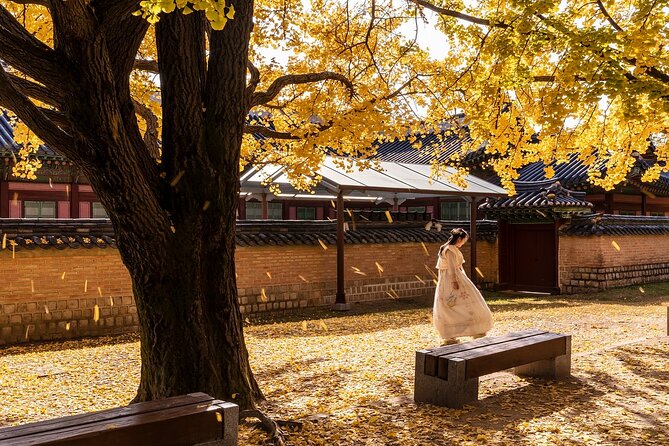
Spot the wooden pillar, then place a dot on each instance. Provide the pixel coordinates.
(643, 204)
(4, 198)
(396, 206)
(608, 202)
(264, 212)
(340, 301)
(74, 200)
(473, 214)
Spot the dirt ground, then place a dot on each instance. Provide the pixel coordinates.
(349, 377)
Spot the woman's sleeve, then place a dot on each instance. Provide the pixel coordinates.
(451, 259)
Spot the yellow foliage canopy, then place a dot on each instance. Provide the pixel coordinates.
(536, 80)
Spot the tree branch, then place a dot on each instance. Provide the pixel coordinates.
(28, 54)
(279, 84)
(459, 15)
(254, 81)
(36, 91)
(151, 135)
(44, 3)
(146, 65)
(613, 23)
(34, 117)
(269, 133)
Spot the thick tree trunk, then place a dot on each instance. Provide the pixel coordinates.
(191, 326)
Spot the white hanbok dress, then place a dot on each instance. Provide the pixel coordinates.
(461, 312)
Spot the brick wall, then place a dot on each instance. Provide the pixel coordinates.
(38, 303)
(33, 282)
(592, 263)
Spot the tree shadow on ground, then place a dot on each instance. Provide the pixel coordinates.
(68, 344)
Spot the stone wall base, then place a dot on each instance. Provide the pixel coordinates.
(589, 279)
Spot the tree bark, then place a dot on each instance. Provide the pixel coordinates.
(174, 221)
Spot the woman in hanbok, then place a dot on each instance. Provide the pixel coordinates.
(459, 308)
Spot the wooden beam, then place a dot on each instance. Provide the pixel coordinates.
(473, 215)
(340, 300)
(4, 197)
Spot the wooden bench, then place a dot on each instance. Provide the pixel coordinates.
(449, 375)
(193, 419)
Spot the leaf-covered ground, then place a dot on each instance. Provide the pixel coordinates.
(350, 377)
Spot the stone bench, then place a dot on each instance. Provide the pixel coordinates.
(449, 375)
(193, 419)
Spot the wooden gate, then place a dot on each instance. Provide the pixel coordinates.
(528, 257)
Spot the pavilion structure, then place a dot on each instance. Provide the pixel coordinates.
(391, 182)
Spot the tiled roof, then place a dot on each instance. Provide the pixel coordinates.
(542, 197)
(442, 146)
(604, 224)
(9, 148)
(573, 174)
(90, 233)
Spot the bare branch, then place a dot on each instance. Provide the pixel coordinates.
(279, 84)
(31, 2)
(458, 14)
(34, 117)
(151, 135)
(28, 54)
(146, 65)
(269, 133)
(254, 81)
(36, 91)
(612, 22)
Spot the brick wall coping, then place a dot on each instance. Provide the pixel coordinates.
(606, 224)
(98, 233)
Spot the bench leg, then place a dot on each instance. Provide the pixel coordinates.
(559, 367)
(453, 393)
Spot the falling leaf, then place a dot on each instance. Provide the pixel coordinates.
(46, 309)
(67, 327)
(323, 245)
(86, 286)
(430, 271)
(4, 240)
(350, 214)
(177, 178)
(50, 183)
(173, 229)
(32, 286)
(263, 295)
(427, 253)
(355, 269)
(96, 313)
(62, 277)
(100, 291)
(111, 301)
(333, 204)
(642, 290)
(205, 206)
(234, 395)
(269, 274)
(360, 273)
(389, 217)
(302, 278)
(67, 191)
(27, 331)
(479, 272)
(305, 326)
(434, 281)
(219, 417)
(419, 279)
(13, 251)
(379, 267)
(615, 245)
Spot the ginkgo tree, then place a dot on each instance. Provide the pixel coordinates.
(160, 104)
(549, 79)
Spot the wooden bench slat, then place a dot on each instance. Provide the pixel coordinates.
(498, 357)
(432, 355)
(175, 426)
(105, 415)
